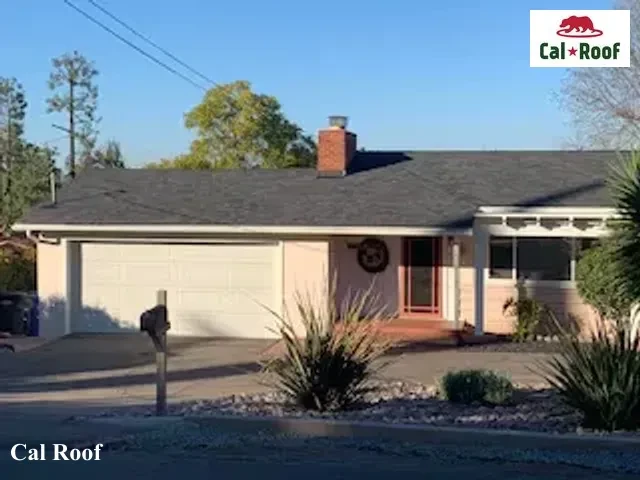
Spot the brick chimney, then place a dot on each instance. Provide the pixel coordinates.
(336, 148)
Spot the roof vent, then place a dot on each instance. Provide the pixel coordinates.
(338, 121)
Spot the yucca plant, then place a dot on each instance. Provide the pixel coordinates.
(600, 378)
(331, 356)
(624, 184)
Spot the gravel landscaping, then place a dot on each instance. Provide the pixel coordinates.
(533, 409)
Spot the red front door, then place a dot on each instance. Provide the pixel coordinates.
(420, 282)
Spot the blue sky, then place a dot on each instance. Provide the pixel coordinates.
(410, 74)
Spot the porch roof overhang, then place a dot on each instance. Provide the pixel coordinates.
(498, 220)
(545, 221)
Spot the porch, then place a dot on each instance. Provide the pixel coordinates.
(416, 279)
(451, 283)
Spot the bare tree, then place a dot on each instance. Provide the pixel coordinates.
(604, 103)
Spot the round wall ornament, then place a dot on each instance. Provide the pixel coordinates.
(373, 255)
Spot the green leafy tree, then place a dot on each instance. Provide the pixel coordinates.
(25, 167)
(75, 95)
(13, 106)
(596, 274)
(183, 162)
(30, 180)
(237, 128)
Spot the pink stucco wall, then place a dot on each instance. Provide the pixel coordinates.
(563, 300)
(306, 273)
(351, 278)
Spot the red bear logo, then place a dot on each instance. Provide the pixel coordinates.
(581, 27)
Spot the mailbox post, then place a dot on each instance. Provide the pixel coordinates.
(156, 323)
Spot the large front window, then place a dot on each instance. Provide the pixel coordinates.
(535, 258)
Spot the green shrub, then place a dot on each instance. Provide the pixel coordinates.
(471, 386)
(528, 314)
(600, 378)
(596, 279)
(17, 273)
(328, 369)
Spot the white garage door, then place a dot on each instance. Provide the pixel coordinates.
(212, 290)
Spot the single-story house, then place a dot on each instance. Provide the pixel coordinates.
(443, 236)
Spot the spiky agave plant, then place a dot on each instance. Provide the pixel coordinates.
(600, 378)
(624, 184)
(331, 354)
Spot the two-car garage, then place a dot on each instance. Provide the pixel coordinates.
(213, 289)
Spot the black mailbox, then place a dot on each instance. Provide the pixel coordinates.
(154, 321)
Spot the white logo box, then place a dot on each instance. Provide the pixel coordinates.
(588, 38)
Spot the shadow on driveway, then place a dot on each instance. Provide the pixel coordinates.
(86, 353)
(130, 380)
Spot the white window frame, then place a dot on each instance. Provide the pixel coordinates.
(514, 269)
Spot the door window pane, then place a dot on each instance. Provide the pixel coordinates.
(544, 258)
(500, 257)
(421, 274)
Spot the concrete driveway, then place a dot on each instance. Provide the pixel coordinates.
(119, 369)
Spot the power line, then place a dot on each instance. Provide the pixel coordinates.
(53, 140)
(150, 42)
(134, 46)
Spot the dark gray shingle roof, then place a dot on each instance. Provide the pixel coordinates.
(432, 189)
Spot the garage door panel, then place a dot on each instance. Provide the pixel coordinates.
(100, 252)
(106, 273)
(202, 275)
(156, 273)
(249, 275)
(212, 290)
(144, 251)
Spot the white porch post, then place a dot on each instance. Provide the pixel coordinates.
(72, 301)
(68, 284)
(455, 260)
(480, 254)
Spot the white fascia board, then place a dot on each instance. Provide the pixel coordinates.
(240, 229)
(546, 212)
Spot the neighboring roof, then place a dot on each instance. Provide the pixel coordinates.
(404, 189)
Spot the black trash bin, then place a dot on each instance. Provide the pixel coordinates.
(12, 313)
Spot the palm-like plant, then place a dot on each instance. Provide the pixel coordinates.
(624, 183)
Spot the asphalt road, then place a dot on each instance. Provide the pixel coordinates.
(370, 466)
(189, 451)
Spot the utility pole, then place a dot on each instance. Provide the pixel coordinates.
(72, 131)
(72, 149)
(7, 192)
(6, 165)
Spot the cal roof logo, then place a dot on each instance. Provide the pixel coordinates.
(585, 38)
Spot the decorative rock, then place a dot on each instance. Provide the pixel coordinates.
(537, 409)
